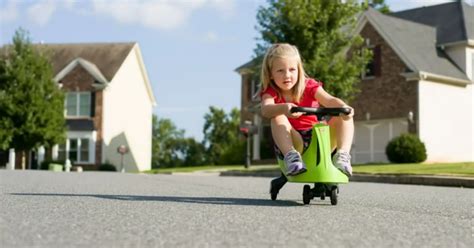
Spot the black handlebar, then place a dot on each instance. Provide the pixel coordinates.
(321, 111)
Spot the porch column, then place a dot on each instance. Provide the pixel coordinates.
(257, 122)
(11, 159)
(41, 152)
(55, 152)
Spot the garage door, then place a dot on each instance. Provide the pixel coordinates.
(371, 138)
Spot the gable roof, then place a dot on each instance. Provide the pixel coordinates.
(107, 57)
(415, 44)
(250, 66)
(88, 66)
(453, 21)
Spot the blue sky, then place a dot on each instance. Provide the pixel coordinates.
(190, 47)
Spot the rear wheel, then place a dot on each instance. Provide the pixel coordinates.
(306, 194)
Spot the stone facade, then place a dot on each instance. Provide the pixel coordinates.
(246, 98)
(80, 79)
(387, 95)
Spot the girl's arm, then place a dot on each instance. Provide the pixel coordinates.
(329, 101)
(271, 109)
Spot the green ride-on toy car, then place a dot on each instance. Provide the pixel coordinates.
(317, 158)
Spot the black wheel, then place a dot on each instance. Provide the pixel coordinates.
(306, 194)
(323, 196)
(334, 196)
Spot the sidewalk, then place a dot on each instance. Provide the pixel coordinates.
(431, 180)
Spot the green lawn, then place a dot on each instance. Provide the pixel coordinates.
(458, 169)
(451, 169)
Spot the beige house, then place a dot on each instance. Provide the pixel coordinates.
(109, 103)
(420, 81)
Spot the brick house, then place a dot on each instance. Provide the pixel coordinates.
(419, 81)
(109, 103)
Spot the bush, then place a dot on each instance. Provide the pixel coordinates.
(45, 164)
(234, 154)
(406, 148)
(107, 167)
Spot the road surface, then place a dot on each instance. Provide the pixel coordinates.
(105, 209)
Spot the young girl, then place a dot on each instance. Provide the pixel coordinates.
(285, 85)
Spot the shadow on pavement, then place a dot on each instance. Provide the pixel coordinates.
(182, 199)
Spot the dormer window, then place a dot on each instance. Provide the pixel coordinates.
(373, 68)
(78, 104)
(255, 90)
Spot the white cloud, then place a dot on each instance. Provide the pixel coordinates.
(9, 12)
(41, 11)
(159, 14)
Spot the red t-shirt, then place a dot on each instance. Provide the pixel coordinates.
(303, 122)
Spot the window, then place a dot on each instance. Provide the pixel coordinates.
(255, 89)
(77, 150)
(73, 150)
(84, 150)
(62, 152)
(373, 68)
(78, 104)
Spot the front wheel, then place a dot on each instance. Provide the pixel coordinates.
(306, 194)
(334, 196)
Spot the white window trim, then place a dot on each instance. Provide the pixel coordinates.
(92, 136)
(78, 102)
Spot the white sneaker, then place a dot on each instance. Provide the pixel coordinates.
(294, 163)
(342, 161)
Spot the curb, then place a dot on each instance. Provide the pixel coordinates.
(445, 181)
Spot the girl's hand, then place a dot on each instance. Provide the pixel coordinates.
(350, 115)
(288, 111)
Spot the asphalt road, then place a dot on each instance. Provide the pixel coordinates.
(101, 209)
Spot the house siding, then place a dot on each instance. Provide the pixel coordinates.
(447, 121)
(80, 79)
(389, 95)
(130, 122)
(245, 98)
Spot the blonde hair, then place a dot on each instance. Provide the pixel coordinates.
(283, 50)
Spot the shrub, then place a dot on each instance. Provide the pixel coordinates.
(107, 167)
(45, 164)
(406, 148)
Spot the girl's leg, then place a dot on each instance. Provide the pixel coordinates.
(342, 133)
(290, 143)
(285, 136)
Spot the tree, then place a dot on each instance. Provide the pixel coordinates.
(323, 32)
(166, 144)
(221, 137)
(31, 103)
(194, 152)
(379, 5)
(171, 149)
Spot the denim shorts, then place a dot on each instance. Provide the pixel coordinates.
(305, 135)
